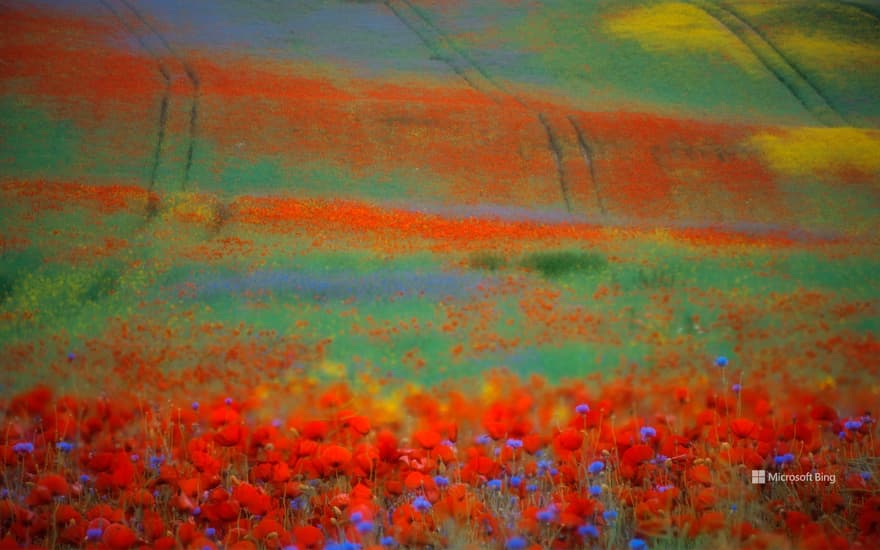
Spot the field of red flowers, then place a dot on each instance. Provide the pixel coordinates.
(411, 274)
(635, 462)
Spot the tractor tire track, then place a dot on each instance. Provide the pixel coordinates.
(555, 148)
(587, 153)
(166, 94)
(868, 11)
(807, 94)
(445, 48)
(194, 81)
(435, 49)
(462, 53)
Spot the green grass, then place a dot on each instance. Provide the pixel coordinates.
(555, 264)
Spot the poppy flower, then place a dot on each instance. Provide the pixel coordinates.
(637, 454)
(743, 427)
(269, 527)
(118, 537)
(427, 439)
(229, 435)
(570, 439)
(335, 457)
(308, 536)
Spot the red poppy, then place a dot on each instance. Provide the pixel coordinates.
(335, 457)
(427, 439)
(743, 428)
(570, 439)
(269, 527)
(308, 536)
(636, 455)
(229, 435)
(118, 537)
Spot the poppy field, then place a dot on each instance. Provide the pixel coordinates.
(416, 274)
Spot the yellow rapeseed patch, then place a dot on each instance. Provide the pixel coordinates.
(804, 151)
(829, 53)
(677, 27)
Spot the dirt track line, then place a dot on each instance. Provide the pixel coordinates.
(553, 143)
(462, 53)
(193, 78)
(871, 12)
(166, 93)
(587, 154)
(794, 66)
(443, 41)
(435, 49)
(797, 83)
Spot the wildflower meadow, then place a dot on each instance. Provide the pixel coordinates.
(510, 275)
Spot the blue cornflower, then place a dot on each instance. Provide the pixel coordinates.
(441, 481)
(64, 446)
(531, 487)
(156, 461)
(546, 515)
(841, 435)
(515, 481)
(84, 479)
(583, 408)
(736, 388)
(787, 458)
(196, 511)
(210, 532)
(596, 467)
(421, 504)
(277, 423)
(135, 457)
(595, 490)
(296, 504)
(852, 425)
(733, 507)
(515, 443)
(494, 484)
(609, 515)
(588, 530)
(647, 431)
(387, 541)
(660, 459)
(638, 544)
(228, 401)
(71, 356)
(195, 405)
(364, 527)
(25, 447)
(516, 543)
(554, 472)
(866, 475)
(721, 361)
(544, 465)
(483, 439)
(356, 517)
(94, 533)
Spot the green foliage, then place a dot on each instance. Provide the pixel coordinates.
(102, 285)
(656, 277)
(13, 266)
(559, 263)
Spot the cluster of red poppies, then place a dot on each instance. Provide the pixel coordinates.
(516, 464)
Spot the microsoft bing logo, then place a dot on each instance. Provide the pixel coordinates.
(759, 477)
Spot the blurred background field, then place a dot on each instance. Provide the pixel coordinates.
(425, 190)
